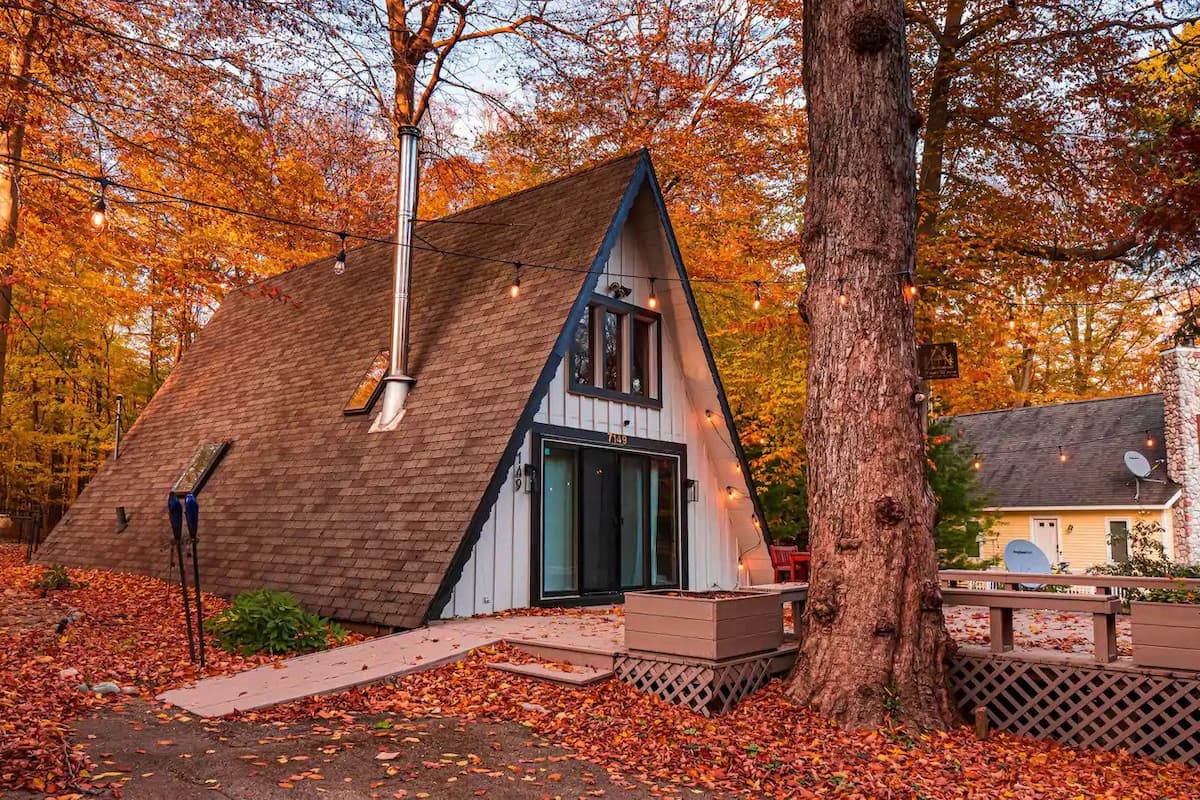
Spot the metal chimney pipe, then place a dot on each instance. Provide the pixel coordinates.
(398, 382)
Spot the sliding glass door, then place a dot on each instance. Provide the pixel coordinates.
(609, 520)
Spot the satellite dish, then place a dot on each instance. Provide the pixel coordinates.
(1022, 555)
(1136, 463)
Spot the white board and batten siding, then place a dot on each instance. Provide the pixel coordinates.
(719, 528)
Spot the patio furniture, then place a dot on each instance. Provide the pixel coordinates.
(1001, 604)
(781, 561)
(801, 565)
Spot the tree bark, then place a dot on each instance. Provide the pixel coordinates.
(874, 638)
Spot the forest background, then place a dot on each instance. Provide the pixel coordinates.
(1058, 179)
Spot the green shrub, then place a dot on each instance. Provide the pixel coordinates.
(56, 577)
(1148, 559)
(266, 621)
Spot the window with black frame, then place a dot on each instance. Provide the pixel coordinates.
(616, 353)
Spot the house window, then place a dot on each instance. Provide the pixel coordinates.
(1118, 540)
(615, 353)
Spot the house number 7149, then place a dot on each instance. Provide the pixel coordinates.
(618, 438)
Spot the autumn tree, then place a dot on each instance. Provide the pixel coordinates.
(873, 634)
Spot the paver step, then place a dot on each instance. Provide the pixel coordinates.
(578, 654)
(576, 676)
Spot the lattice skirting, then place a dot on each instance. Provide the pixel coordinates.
(707, 687)
(1151, 713)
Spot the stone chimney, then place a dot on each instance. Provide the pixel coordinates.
(1181, 411)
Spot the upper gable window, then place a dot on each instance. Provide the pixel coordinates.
(368, 387)
(616, 353)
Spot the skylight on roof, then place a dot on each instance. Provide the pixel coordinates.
(368, 388)
(203, 462)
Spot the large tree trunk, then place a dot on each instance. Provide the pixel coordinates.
(874, 639)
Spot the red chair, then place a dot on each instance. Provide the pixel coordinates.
(781, 561)
(801, 565)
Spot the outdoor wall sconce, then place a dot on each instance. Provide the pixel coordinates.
(618, 290)
(693, 490)
(524, 478)
(122, 519)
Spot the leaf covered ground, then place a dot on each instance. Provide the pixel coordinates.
(129, 631)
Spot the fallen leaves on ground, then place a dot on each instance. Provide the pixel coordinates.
(124, 629)
(130, 632)
(766, 747)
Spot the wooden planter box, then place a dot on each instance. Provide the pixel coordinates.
(1166, 635)
(714, 625)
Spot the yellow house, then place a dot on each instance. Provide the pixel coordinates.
(1057, 476)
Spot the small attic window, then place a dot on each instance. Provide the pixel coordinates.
(368, 388)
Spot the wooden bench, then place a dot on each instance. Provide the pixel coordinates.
(1001, 604)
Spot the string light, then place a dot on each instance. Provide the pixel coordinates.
(708, 415)
(1012, 320)
(1158, 311)
(100, 206)
(1062, 455)
(757, 295)
(729, 490)
(977, 464)
(1149, 440)
(910, 286)
(653, 300)
(99, 218)
(339, 266)
(515, 289)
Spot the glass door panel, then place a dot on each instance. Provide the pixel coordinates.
(559, 520)
(599, 542)
(664, 525)
(633, 521)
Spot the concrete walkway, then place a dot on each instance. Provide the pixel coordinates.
(392, 656)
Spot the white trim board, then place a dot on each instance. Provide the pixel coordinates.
(1097, 508)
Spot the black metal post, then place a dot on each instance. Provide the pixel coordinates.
(191, 511)
(175, 512)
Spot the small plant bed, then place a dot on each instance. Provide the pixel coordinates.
(705, 625)
(709, 595)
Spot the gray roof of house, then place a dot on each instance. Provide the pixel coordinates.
(1019, 450)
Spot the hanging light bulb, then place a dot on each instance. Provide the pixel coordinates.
(910, 286)
(1158, 312)
(515, 289)
(99, 206)
(1062, 454)
(653, 299)
(708, 415)
(1149, 440)
(757, 295)
(729, 490)
(977, 464)
(1012, 320)
(339, 266)
(843, 299)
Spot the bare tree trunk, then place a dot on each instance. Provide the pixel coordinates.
(874, 639)
(12, 140)
(933, 152)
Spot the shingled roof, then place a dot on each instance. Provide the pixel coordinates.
(362, 527)
(1019, 452)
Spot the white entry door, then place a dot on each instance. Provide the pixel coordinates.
(1044, 533)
